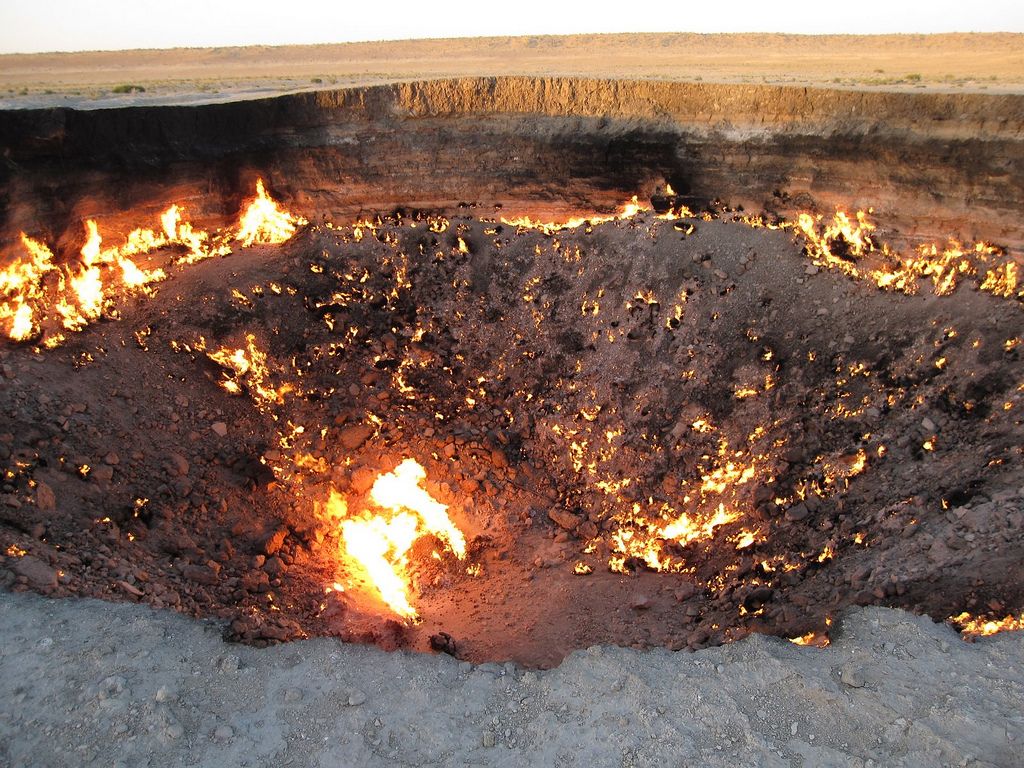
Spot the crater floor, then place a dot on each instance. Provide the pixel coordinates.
(652, 433)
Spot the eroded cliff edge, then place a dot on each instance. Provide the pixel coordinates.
(932, 165)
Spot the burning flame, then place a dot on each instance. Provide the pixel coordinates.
(379, 543)
(977, 626)
(263, 223)
(83, 289)
(626, 211)
(248, 366)
(21, 288)
(845, 244)
(811, 638)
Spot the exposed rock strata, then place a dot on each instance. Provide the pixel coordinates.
(931, 164)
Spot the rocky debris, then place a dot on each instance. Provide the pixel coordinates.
(274, 541)
(851, 676)
(564, 519)
(442, 642)
(797, 512)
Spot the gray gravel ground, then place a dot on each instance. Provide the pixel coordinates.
(91, 683)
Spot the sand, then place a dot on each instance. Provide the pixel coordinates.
(950, 62)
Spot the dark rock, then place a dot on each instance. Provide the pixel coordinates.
(200, 574)
(797, 512)
(442, 642)
(177, 464)
(46, 500)
(640, 602)
(274, 567)
(256, 581)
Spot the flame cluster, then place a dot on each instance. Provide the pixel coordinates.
(247, 368)
(41, 299)
(978, 626)
(845, 244)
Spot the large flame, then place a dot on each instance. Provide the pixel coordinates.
(21, 288)
(264, 223)
(401, 490)
(379, 540)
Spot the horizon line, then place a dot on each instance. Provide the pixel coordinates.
(71, 52)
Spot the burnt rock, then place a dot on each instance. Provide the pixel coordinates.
(200, 574)
(352, 437)
(46, 499)
(274, 567)
(442, 642)
(797, 512)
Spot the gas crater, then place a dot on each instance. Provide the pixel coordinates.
(342, 403)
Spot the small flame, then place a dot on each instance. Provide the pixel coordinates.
(626, 211)
(249, 365)
(811, 638)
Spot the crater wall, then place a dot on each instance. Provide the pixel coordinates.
(932, 165)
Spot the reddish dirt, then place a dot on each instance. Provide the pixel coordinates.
(882, 434)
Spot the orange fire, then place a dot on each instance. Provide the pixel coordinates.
(626, 211)
(378, 540)
(21, 288)
(845, 245)
(249, 367)
(977, 626)
(264, 223)
(82, 290)
(811, 638)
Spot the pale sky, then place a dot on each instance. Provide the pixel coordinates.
(29, 26)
